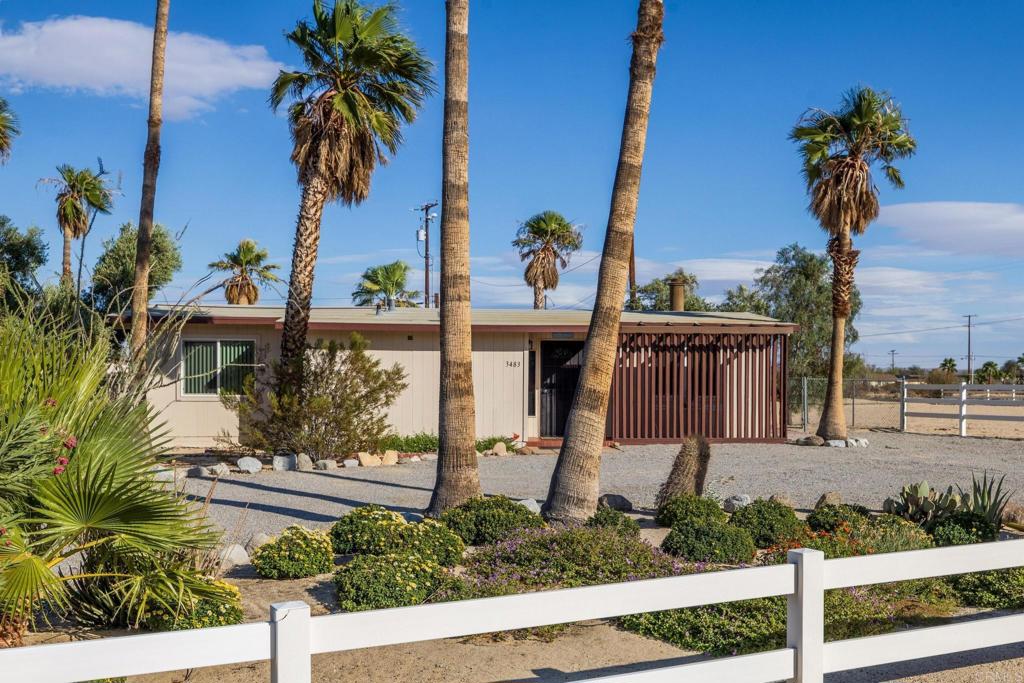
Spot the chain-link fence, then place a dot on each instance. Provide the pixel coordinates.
(869, 403)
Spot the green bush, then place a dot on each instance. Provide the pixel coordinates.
(295, 554)
(709, 541)
(830, 517)
(1001, 589)
(616, 520)
(383, 581)
(892, 534)
(433, 540)
(769, 523)
(222, 608)
(487, 443)
(480, 520)
(964, 528)
(423, 442)
(689, 507)
(371, 529)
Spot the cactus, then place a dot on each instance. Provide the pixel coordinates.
(923, 505)
(689, 470)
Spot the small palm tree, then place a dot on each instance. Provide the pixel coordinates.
(547, 240)
(8, 130)
(948, 365)
(988, 373)
(362, 80)
(838, 150)
(81, 194)
(385, 284)
(249, 270)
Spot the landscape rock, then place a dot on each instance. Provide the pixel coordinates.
(303, 463)
(530, 504)
(836, 443)
(197, 471)
(284, 463)
(615, 502)
(528, 450)
(1013, 514)
(480, 455)
(259, 538)
(412, 517)
(500, 448)
(350, 462)
(783, 499)
(249, 465)
(368, 460)
(221, 469)
(389, 458)
(428, 456)
(326, 464)
(411, 458)
(811, 440)
(233, 555)
(854, 442)
(829, 498)
(734, 503)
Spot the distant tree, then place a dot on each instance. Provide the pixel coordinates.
(948, 365)
(385, 284)
(1011, 370)
(8, 130)
(114, 274)
(81, 193)
(21, 253)
(988, 373)
(249, 270)
(743, 300)
(547, 240)
(656, 294)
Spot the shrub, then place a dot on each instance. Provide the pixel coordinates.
(370, 529)
(769, 523)
(616, 520)
(689, 507)
(487, 443)
(1001, 589)
(296, 553)
(222, 608)
(892, 534)
(709, 541)
(830, 517)
(965, 528)
(383, 581)
(485, 520)
(433, 540)
(423, 442)
(689, 470)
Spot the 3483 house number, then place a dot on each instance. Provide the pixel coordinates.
(513, 364)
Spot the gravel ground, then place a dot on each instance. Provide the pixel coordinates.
(270, 501)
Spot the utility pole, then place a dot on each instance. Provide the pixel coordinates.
(970, 353)
(423, 235)
(892, 354)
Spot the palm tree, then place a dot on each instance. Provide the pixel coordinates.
(988, 373)
(574, 485)
(838, 150)
(150, 168)
(81, 194)
(8, 130)
(363, 79)
(457, 477)
(249, 269)
(948, 365)
(547, 240)
(385, 284)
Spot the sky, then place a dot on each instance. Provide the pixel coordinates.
(721, 189)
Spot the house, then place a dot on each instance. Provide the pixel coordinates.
(677, 373)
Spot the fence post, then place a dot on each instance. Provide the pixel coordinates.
(903, 404)
(805, 615)
(803, 382)
(962, 416)
(289, 643)
(853, 421)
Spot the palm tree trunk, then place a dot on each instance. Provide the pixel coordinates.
(574, 485)
(832, 424)
(457, 477)
(300, 281)
(632, 276)
(151, 166)
(538, 296)
(65, 271)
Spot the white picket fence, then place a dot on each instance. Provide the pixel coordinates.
(291, 637)
(964, 395)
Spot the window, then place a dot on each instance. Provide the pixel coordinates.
(210, 367)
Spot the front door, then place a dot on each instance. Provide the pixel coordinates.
(560, 365)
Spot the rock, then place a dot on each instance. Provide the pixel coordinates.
(428, 456)
(856, 443)
(616, 445)
(528, 450)
(411, 458)
(389, 458)
(284, 463)
(1013, 514)
(829, 498)
(367, 460)
(233, 555)
(615, 502)
(350, 462)
(783, 499)
(530, 504)
(811, 440)
(249, 465)
(836, 443)
(259, 538)
(303, 463)
(500, 448)
(480, 455)
(734, 503)
(221, 469)
(412, 517)
(326, 465)
(197, 471)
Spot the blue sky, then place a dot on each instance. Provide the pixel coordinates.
(721, 189)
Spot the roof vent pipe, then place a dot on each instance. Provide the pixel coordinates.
(677, 294)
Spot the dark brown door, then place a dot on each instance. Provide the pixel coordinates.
(560, 364)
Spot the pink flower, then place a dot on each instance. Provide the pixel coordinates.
(50, 402)
(70, 442)
(62, 461)
(58, 470)
(7, 542)
(3, 530)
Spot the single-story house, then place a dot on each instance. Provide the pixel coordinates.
(677, 373)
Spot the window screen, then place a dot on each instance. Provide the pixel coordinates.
(236, 361)
(200, 367)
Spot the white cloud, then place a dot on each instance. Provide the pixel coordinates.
(729, 271)
(990, 228)
(111, 57)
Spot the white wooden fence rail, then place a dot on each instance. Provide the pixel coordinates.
(291, 636)
(962, 398)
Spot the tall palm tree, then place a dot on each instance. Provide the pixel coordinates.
(249, 270)
(81, 194)
(363, 79)
(457, 477)
(385, 284)
(150, 169)
(838, 150)
(574, 485)
(8, 130)
(548, 240)
(948, 365)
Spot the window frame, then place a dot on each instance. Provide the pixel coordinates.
(182, 394)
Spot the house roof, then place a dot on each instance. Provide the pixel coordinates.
(484, 319)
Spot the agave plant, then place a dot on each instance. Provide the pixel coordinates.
(923, 505)
(986, 497)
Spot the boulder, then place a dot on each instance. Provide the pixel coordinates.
(811, 440)
(782, 499)
(530, 504)
(326, 465)
(221, 469)
(410, 459)
(528, 450)
(389, 458)
(303, 463)
(259, 538)
(836, 443)
(249, 465)
(734, 503)
(829, 498)
(615, 502)
(1013, 514)
(350, 462)
(368, 460)
(853, 442)
(284, 462)
(428, 456)
(500, 448)
(412, 517)
(197, 471)
(232, 555)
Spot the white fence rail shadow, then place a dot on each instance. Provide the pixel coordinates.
(291, 636)
(962, 395)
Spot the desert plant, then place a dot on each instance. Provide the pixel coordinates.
(964, 528)
(688, 507)
(923, 505)
(830, 517)
(201, 613)
(295, 554)
(616, 520)
(485, 520)
(370, 529)
(768, 522)
(892, 534)
(709, 541)
(986, 497)
(489, 442)
(383, 581)
(689, 470)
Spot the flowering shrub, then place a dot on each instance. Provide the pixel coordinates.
(480, 520)
(224, 610)
(829, 517)
(689, 507)
(709, 541)
(615, 519)
(370, 529)
(296, 553)
(769, 522)
(433, 540)
(383, 581)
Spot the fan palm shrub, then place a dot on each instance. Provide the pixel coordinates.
(249, 270)
(547, 240)
(385, 284)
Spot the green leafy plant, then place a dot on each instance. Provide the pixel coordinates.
(964, 528)
(1001, 589)
(709, 541)
(433, 540)
(923, 505)
(830, 517)
(423, 442)
(615, 520)
(488, 442)
(370, 529)
(986, 497)
(481, 520)
(201, 613)
(383, 581)
(769, 522)
(892, 534)
(296, 553)
(689, 507)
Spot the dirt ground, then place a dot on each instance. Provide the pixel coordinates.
(882, 414)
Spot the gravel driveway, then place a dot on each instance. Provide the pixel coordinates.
(270, 501)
